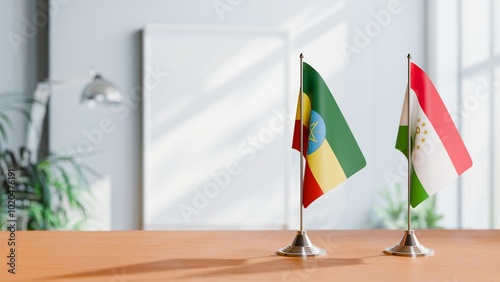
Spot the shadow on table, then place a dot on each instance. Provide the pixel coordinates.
(127, 271)
(288, 267)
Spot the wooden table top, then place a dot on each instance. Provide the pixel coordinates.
(353, 255)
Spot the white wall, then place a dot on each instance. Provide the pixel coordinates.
(18, 57)
(368, 85)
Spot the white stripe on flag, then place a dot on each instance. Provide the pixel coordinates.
(430, 159)
(404, 113)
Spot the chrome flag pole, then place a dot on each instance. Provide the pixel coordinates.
(409, 245)
(301, 245)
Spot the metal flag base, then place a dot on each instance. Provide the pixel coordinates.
(301, 247)
(409, 247)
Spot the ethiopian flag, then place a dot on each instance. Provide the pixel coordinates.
(438, 153)
(331, 152)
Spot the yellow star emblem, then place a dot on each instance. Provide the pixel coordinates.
(423, 140)
(425, 132)
(312, 126)
(423, 124)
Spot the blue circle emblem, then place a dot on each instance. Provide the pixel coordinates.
(317, 132)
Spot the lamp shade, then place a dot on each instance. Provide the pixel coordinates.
(101, 90)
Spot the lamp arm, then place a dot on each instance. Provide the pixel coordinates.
(98, 88)
(38, 110)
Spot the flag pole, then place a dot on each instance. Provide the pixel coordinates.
(301, 172)
(301, 245)
(408, 140)
(409, 246)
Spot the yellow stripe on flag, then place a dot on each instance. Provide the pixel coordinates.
(306, 110)
(326, 167)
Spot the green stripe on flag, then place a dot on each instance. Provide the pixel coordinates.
(418, 193)
(402, 140)
(338, 133)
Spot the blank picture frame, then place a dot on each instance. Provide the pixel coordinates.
(216, 127)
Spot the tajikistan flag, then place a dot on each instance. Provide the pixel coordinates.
(438, 153)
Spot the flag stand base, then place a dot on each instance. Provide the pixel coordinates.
(409, 247)
(301, 247)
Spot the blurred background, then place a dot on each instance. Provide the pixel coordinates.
(200, 136)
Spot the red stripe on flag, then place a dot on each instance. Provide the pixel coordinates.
(434, 108)
(296, 137)
(312, 191)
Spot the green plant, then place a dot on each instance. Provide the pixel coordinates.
(393, 213)
(50, 193)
